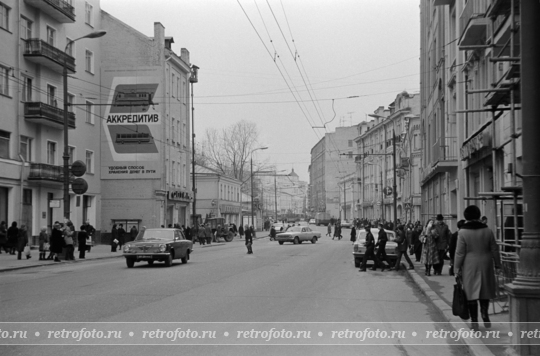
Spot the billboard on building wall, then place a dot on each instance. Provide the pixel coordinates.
(132, 124)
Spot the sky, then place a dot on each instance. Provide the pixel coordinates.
(297, 68)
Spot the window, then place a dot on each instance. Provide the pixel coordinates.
(69, 46)
(71, 151)
(173, 171)
(349, 155)
(89, 112)
(51, 152)
(184, 134)
(70, 100)
(26, 28)
(89, 61)
(183, 175)
(89, 161)
(51, 95)
(350, 143)
(27, 89)
(172, 85)
(51, 35)
(178, 90)
(4, 77)
(4, 144)
(88, 9)
(25, 149)
(4, 16)
(184, 91)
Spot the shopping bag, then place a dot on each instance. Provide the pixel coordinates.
(459, 302)
(27, 250)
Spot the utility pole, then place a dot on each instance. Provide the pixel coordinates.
(524, 290)
(275, 197)
(394, 188)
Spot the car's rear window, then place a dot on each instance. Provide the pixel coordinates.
(151, 235)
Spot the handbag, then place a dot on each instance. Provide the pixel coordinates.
(459, 301)
(46, 246)
(27, 250)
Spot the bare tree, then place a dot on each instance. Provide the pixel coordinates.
(228, 151)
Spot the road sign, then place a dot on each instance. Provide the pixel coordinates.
(388, 191)
(407, 206)
(78, 168)
(79, 186)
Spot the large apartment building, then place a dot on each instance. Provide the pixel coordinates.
(145, 145)
(470, 114)
(35, 36)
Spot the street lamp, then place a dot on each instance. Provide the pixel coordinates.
(95, 34)
(194, 78)
(251, 171)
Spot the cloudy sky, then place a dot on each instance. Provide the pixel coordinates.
(287, 65)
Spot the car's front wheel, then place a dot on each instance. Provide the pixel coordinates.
(296, 240)
(280, 242)
(130, 262)
(357, 262)
(313, 240)
(151, 262)
(168, 260)
(185, 258)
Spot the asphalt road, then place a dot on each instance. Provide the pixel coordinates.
(288, 299)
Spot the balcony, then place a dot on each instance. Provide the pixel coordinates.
(40, 52)
(48, 172)
(443, 2)
(445, 158)
(473, 26)
(48, 115)
(60, 10)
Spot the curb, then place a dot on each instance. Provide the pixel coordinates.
(57, 263)
(446, 311)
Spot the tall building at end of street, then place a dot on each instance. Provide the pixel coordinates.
(145, 147)
(332, 158)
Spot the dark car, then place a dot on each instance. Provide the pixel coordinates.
(164, 245)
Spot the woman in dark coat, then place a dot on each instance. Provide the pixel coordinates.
(272, 233)
(353, 234)
(476, 256)
(12, 234)
(22, 241)
(57, 242)
(241, 231)
(114, 237)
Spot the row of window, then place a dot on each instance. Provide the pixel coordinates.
(229, 192)
(178, 173)
(179, 91)
(53, 157)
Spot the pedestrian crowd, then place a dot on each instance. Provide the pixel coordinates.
(59, 243)
(471, 250)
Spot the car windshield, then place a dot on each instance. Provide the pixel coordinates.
(295, 228)
(155, 235)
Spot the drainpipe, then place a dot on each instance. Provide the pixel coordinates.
(21, 190)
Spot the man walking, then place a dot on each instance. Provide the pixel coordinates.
(81, 239)
(442, 243)
(401, 249)
(381, 244)
(370, 251)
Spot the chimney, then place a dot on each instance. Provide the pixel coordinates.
(184, 54)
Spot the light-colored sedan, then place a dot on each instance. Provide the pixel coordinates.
(346, 224)
(163, 245)
(359, 249)
(297, 234)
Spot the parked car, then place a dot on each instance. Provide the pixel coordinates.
(278, 227)
(311, 221)
(345, 224)
(297, 234)
(359, 249)
(164, 245)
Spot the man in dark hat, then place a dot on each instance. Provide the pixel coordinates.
(442, 243)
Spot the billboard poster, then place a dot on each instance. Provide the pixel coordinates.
(132, 124)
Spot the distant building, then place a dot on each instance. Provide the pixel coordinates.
(332, 158)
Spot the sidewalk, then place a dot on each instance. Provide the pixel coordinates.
(440, 290)
(10, 262)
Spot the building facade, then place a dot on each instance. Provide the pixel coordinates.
(218, 195)
(471, 115)
(386, 161)
(332, 158)
(35, 37)
(145, 137)
(282, 195)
